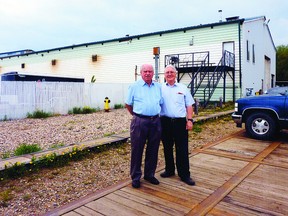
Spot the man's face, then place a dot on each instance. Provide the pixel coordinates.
(147, 73)
(170, 75)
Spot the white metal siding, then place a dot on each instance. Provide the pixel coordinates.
(117, 61)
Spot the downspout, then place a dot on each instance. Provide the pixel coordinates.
(240, 59)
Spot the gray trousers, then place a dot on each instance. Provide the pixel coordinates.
(144, 131)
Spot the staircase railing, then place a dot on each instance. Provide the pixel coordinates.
(199, 76)
(185, 60)
(228, 59)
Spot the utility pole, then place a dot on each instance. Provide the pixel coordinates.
(156, 52)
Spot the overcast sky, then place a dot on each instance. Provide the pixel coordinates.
(47, 24)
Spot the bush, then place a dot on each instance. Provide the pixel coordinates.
(84, 110)
(39, 114)
(26, 149)
(75, 110)
(88, 109)
(118, 106)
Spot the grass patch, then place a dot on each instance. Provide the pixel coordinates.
(26, 149)
(197, 128)
(39, 114)
(6, 154)
(56, 145)
(5, 197)
(83, 110)
(118, 106)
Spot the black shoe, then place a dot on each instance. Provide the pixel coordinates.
(136, 184)
(152, 180)
(166, 174)
(188, 181)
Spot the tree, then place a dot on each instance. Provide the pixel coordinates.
(282, 63)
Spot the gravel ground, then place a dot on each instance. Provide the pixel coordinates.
(62, 130)
(50, 188)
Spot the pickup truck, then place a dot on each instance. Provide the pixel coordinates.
(264, 115)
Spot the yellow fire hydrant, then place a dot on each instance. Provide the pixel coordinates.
(106, 104)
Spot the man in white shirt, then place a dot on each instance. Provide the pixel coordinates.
(176, 119)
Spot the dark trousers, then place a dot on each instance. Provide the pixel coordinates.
(144, 131)
(174, 132)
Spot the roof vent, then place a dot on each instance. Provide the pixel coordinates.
(232, 18)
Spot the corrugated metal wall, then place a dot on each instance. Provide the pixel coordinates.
(117, 61)
(19, 98)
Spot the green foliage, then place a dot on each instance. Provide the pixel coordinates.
(282, 63)
(87, 109)
(5, 196)
(197, 128)
(50, 160)
(26, 149)
(108, 134)
(118, 106)
(84, 110)
(18, 169)
(6, 154)
(57, 145)
(39, 114)
(75, 110)
(5, 118)
(214, 107)
(93, 79)
(27, 197)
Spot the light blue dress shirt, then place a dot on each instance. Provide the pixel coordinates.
(145, 99)
(175, 100)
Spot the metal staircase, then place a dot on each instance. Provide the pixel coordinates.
(205, 76)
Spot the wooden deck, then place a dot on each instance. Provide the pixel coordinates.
(234, 176)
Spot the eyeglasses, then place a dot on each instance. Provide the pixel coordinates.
(170, 72)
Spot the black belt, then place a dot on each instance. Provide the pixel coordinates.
(174, 119)
(146, 117)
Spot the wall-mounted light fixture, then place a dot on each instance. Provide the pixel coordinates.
(156, 50)
(94, 58)
(53, 62)
(23, 65)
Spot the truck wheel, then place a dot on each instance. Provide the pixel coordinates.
(261, 126)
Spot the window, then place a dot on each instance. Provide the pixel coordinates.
(253, 53)
(247, 50)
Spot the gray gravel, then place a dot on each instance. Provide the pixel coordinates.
(62, 130)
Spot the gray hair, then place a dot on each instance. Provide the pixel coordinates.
(173, 68)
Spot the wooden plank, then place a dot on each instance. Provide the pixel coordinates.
(72, 214)
(211, 171)
(239, 147)
(160, 197)
(279, 156)
(85, 211)
(150, 206)
(146, 200)
(270, 195)
(106, 206)
(214, 143)
(205, 206)
(174, 185)
(251, 205)
(228, 210)
(89, 198)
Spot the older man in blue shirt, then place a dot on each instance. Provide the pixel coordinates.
(176, 119)
(143, 102)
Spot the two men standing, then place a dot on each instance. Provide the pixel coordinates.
(147, 100)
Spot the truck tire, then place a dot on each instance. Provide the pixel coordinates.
(261, 126)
